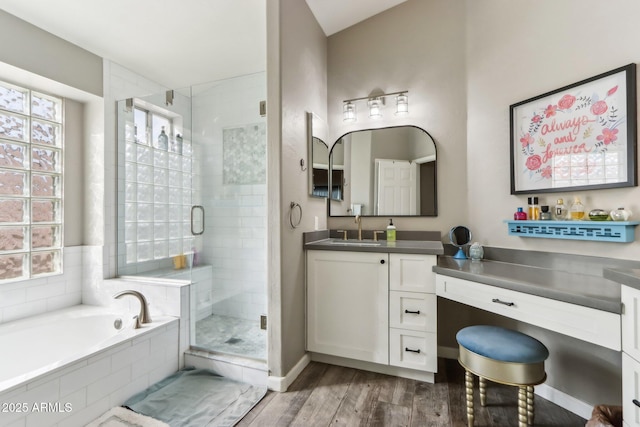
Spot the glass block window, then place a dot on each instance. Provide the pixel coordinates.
(157, 188)
(31, 153)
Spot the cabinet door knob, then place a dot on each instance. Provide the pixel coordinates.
(635, 402)
(412, 351)
(412, 312)
(381, 261)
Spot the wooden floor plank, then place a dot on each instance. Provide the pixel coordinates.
(361, 398)
(387, 414)
(326, 395)
(325, 399)
(283, 407)
(430, 405)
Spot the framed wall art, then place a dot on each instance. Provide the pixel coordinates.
(578, 137)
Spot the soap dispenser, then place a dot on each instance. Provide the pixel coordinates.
(391, 231)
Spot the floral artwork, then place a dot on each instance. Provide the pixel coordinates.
(582, 135)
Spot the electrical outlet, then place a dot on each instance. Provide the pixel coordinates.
(263, 322)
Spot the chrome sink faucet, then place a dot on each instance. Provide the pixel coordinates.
(359, 222)
(144, 316)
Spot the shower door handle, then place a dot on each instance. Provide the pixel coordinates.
(193, 209)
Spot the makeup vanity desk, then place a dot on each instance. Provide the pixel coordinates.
(582, 306)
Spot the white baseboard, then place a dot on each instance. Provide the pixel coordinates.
(558, 397)
(448, 352)
(281, 384)
(564, 400)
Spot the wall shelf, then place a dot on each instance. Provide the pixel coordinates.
(602, 231)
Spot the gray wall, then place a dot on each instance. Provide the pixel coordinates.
(477, 58)
(73, 173)
(31, 48)
(417, 46)
(301, 46)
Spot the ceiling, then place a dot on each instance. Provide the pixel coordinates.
(185, 42)
(336, 15)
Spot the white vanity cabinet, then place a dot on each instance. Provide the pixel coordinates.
(412, 312)
(347, 304)
(630, 356)
(373, 307)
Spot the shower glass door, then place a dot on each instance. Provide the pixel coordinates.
(192, 205)
(230, 175)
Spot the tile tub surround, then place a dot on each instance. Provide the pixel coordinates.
(31, 297)
(79, 391)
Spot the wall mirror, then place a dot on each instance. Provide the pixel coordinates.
(318, 155)
(382, 172)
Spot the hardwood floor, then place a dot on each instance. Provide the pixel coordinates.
(325, 395)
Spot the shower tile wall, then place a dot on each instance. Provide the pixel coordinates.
(231, 135)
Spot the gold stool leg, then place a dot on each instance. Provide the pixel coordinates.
(468, 382)
(483, 391)
(522, 406)
(530, 405)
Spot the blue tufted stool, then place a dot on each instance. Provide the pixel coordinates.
(503, 356)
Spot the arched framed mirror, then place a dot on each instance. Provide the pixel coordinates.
(382, 172)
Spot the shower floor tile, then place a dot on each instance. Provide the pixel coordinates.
(231, 335)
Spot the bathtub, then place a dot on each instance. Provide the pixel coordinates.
(69, 358)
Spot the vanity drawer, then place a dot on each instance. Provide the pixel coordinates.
(585, 323)
(412, 272)
(413, 349)
(631, 322)
(630, 391)
(412, 310)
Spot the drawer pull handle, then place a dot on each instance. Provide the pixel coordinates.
(635, 402)
(412, 312)
(412, 351)
(508, 304)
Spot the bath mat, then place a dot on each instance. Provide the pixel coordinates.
(197, 398)
(122, 417)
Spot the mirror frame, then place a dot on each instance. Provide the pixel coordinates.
(435, 172)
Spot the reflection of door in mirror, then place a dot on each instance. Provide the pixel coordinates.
(388, 171)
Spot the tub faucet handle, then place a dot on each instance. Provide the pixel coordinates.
(136, 319)
(144, 316)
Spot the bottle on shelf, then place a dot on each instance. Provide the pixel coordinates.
(545, 215)
(577, 209)
(560, 210)
(520, 215)
(163, 140)
(534, 209)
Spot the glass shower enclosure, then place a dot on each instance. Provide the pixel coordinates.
(192, 205)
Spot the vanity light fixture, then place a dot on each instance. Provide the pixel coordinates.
(374, 108)
(376, 104)
(402, 104)
(349, 112)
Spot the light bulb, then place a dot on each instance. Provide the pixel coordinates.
(402, 104)
(349, 112)
(374, 108)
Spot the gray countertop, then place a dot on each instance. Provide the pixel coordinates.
(426, 247)
(602, 293)
(624, 276)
